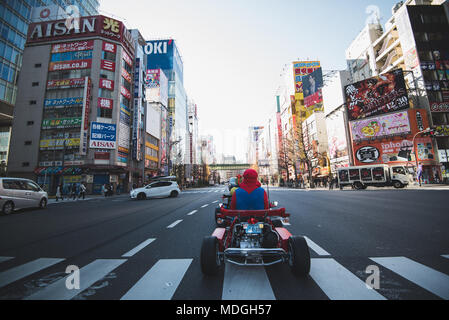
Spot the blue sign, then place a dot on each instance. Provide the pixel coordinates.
(103, 132)
(163, 54)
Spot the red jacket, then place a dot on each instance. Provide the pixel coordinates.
(250, 183)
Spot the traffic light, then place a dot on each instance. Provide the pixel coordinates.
(429, 133)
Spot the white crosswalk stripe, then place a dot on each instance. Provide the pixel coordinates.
(425, 277)
(161, 282)
(26, 269)
(138, 248)
(312, 245)
(89, 274)
(3, 259)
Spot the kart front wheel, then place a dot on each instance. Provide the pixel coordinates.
(299, 259)
(210, 260)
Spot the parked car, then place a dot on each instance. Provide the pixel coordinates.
(17, 193)
(156, 189)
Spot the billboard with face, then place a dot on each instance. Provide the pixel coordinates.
(312, 85)
(301, 69)
(376, 96)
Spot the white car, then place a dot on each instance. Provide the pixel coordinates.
(17, 193)
(156, 189)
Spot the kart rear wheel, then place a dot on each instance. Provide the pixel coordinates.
(210, 260)
(299, 259)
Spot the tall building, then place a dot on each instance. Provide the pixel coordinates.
(72, 120)
(15, 16)
(164, 55)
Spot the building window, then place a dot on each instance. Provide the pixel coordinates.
(33, 102)
(25, 164)
(38, 65)
(104, 113)
(30, 123)
(28, 143)
(35, 84)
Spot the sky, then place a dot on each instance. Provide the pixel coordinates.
(234, 50)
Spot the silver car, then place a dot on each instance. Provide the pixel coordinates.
(17, 193)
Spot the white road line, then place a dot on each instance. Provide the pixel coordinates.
(445, 256)
(24, 270)
(160, 282)
(204, 206)
(339, 283)
(3, 259)
(243, 283)
(428, 278)
(174, 224)
(192, 213)
(138, 248)
(320, 251)
(215, 201)
(89, 274)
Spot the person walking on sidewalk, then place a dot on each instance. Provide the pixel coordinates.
(59, 193)
(74, 191)
(82, 191)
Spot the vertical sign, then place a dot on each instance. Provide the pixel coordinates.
(85, 116)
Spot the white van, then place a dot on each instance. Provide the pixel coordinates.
(17, 193)
(380, 175)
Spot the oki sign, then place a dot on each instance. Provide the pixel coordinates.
(157, 47)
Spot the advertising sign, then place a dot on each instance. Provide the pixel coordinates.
(387, 125)
(376, 96)
(105, 103)
(159, 54)
(126, 75)
(312, 85)
(125, 92)
(152, 79)
(59, 143)
(72, 56)
(107, 84)
(383, 152)
(301, 69)
(336, 132)
(127, 59)
(425, 149)
(72, 46)
(107, 65)
(65, 84)
(63, 102)
(439, 106)
(70, 65)
(103, 135)
(85, 116)
(109, 47)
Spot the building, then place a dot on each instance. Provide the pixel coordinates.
(164, 55)
(72, 120)
(15, 16)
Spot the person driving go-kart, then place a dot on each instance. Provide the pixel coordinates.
(250, 195)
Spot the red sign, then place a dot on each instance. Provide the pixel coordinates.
(102, 155)
(105, 103)
(70, 65)
(107, 65)
(126, 75)
(72, 46)
(109, 47)
(87, 110)
(125, 92)
(107, 84)
(127, 59)
(66, 83)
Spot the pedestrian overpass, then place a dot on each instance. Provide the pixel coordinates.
(227, 171)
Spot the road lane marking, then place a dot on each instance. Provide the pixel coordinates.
(174, 224)
(138, 248)
(425, 277)
(204, 206)
(89, 274)
(24, 270)
(338, 283)
(243, 283)
(215, 201)
(160, 282)
(3, 259)
(445, 256)
(320, 251)
(192, 213)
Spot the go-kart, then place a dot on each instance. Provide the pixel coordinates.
(254, 238)
(226, 204)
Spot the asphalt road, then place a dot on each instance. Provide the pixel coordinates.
(150, 249)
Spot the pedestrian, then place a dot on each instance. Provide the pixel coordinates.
(74, 191)
(59, 193)
(103, 189)
(331, 183)
(419, 174)
(82, 191)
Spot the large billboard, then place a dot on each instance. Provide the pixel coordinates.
(336, 132)
(312, 87)
(157, 86)
(103, 135)
(383, 126)
(301, 69)
(376, 96)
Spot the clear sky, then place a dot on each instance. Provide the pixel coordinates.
(235, 50)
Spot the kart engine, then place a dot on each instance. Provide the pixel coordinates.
(244, 239)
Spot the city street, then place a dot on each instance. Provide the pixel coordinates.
(150, 249)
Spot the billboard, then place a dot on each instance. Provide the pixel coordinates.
(160, 54)
(387, 125)
(312, 85)
(61, 123)
(65, 84)
(376, 96)
(157, 86)
(301, 69)
(85, 116)
(72, 46)
(103, 135)
(336, 132)
(63, 102)
(70, 65)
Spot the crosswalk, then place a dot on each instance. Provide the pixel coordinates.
(165, 277)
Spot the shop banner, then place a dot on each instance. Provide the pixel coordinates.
(376, 96)
(106, 84)
(72, 46)
(85, 116)
(70, 65)
(107, 65)
(425, 149)
(65, 84)
(105, 103)
(71, 56)
(103, 135)
(127, 59)
(61, 123)
(109, 47)
(439, 106)
(63, 102)
(125, 93)
(59, 143)
(388, 125)
(126, 75)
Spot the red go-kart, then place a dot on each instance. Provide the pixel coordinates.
(254, 238)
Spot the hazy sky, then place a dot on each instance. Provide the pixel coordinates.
(235, 50)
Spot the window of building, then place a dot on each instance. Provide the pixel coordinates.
(25, 164)
(38, 65)
(104, 93)
(30, 123)
(104, 113)
(33, 102)
(35, 84)
(28, 143)
(108, 56)
(106, 74)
